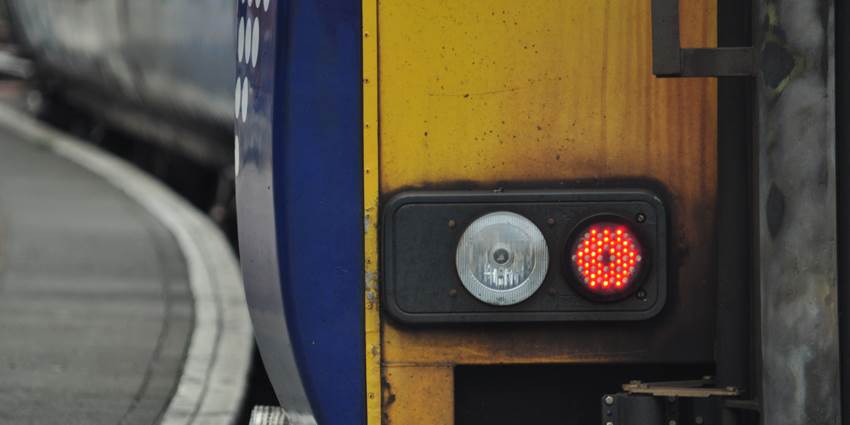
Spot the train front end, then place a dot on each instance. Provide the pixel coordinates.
(495, 212)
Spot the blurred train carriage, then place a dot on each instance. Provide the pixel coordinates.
(161, 69)
(501, 212)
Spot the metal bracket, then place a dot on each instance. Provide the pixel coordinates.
(688, 389)
(660, 403)
(631, 409)
(669, 59)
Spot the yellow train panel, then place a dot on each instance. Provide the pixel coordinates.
(544, 90)
(544, 94)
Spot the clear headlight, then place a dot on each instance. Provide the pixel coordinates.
(502, 258)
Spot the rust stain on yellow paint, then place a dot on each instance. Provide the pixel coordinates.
(545, 93)
(412, 391)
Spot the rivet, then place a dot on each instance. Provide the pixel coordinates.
(452, 224)
(609, 400)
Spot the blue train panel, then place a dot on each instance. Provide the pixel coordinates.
(299, 190)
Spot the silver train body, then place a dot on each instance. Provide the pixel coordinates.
(162, 69)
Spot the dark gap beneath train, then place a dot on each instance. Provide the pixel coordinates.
(551, 394)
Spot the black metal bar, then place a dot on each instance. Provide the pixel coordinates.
(842, 90)
(734, 213)
(625, 409)
(732, 341)
(631, 409)
(670, 60)
(722, 61)
(796, 206)
(666, 50)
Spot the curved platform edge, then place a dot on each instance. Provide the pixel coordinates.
(214, 380)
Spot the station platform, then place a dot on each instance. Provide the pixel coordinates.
(119, 302)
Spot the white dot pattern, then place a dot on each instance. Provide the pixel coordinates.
(248, 39)
(248, 51)
(255, 42)
(240, 40)
(236, 156)
(246, 87)
(252, 13)
(238, 102)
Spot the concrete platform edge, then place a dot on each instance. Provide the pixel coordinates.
(214, 378)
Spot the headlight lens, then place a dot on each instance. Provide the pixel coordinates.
(502, 258)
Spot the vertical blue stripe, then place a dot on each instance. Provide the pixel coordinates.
(318, 192)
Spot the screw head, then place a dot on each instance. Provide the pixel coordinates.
(672, 422)
(640, 217)
(609, 423)
(550, 221)
(609, 400)
(699, 420)
(452, 292)
(452, 224)
(641, 294)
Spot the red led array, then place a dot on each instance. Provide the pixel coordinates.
(607, 258)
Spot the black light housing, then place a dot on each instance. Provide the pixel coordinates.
(422, 230)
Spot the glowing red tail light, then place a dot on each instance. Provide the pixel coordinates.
(607, 259)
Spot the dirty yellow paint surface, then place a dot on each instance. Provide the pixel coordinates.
(544, 93)
(505, 90)
(411, 394)
(371, 316)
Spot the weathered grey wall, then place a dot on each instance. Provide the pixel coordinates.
(797, 212)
